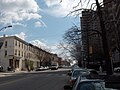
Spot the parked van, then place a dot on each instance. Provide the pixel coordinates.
(54, 66)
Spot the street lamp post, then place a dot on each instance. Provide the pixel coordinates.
(5, 27)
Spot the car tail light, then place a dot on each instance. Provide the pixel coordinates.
(72, 82)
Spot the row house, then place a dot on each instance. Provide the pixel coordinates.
(65, 63)
(55, 58)
(20, 55)
(16, 53)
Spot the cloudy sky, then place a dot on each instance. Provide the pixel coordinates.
(41, 22)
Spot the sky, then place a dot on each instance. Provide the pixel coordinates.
(40, 22)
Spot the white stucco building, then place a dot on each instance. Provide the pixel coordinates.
(17, 53)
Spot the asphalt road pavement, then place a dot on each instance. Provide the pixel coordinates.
(47, 80)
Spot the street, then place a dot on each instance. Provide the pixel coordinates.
(45, 80)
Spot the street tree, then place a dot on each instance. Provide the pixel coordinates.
(103, 31)
(72, 40)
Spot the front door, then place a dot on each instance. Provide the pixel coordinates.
(11, 63)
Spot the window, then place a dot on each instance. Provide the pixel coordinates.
(15, 52)
(19, 53)
(27, 48)
(5, 43)
(27, 55)
(22, 53)
(22, 45)
(19, 44)
(16, 43)
(5, 52)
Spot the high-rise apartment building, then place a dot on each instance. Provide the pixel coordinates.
(91, 39)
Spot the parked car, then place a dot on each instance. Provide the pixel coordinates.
(88, 84)
(85, 82)
(75, 74)
(117, 69)
(39, 68)
(53, 67)
(74, 67)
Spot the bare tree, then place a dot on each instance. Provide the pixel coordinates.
(99, 7)
(72, 43)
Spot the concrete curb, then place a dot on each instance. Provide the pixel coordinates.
(11, 73)
(5, 74)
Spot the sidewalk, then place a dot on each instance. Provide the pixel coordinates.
(11, 73)
(103, 75)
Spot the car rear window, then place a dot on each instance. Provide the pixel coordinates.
(91, 86)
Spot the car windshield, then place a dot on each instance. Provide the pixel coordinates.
(95, 85)
(76, 73)
(91, 86)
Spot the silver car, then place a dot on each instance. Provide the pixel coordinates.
(75, 74)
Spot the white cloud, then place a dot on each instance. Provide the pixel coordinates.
(19, 24)
(54, 49)
(52, 2)
(12, 11)
(61, 9)
(43, 45)
(57, 50)
(21, 35)
(66, 6)
(40, 43)
(39, 24)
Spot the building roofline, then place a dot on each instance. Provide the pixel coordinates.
(29, 44)
(15, 38)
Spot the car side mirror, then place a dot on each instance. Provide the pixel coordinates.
(67, 87)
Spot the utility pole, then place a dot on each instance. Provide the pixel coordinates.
(108, 62)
